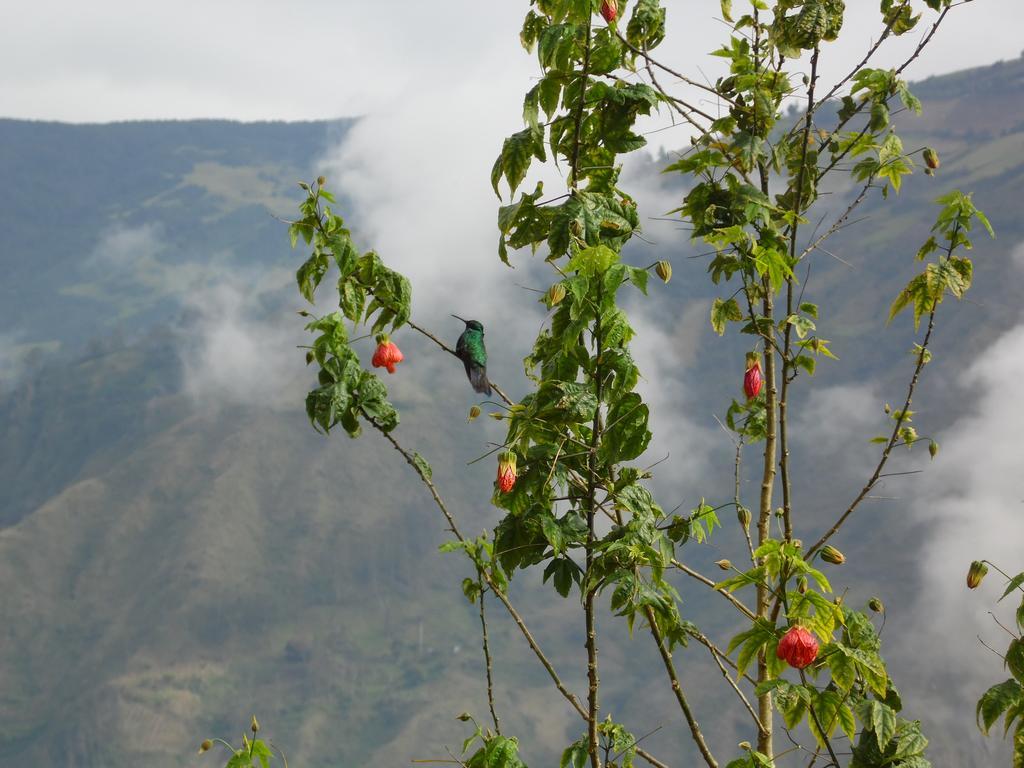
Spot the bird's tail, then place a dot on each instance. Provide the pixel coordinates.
(478, 378)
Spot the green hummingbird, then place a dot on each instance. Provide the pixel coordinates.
(471, 351)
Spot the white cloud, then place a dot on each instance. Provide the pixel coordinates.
(252, 59)
(971, 508)
(834, 419)
(234, 352)
(1017, 256)
(664, 352)
(127, 247)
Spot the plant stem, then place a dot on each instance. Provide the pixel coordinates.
(487, 656)
(677, 689)
(764, 701)
(591, 589)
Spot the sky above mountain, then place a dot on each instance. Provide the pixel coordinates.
(250, 60)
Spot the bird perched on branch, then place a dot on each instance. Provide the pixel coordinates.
(471, 351)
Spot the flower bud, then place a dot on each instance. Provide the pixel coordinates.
(753, 380)
(976, 573)
(205, 746)
(320, 180)
(832, 555)
(801, 584)
(464, 716)
(798, 647)
(609, 10)
(555, 294)
(506, 471)
(255, 727)
(876, 605)
(664, 270)
(743, 516)
(724, 564)
(931, 158)
(744, 745)
(474, 411)
(933, 448)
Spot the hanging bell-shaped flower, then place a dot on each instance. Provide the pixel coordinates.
(798, 647)
(753, 380)
(387, 355)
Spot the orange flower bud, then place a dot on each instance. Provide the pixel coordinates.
(506, 471)
(664, 270)
(388, 355)
(610, 10)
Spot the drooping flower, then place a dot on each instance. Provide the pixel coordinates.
(506, 471)
(798, 647)
(976, 573)
(388, 355)
(753, 380)
(610, 10)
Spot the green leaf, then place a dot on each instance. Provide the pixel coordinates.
(593, 261)
(1013, 584)
(422, 466)
(516, 155)
(627, 435)
(723, 311)
(996, 701)
(880, 719)
(1015, 658)
(802, 325)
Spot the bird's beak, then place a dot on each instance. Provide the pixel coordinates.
(459, 318)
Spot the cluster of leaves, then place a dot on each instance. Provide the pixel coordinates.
(576, 434)
(1006, 699)
(494, 750)
(369, 293)
(251, 753)
(948, 274)
(617, 744)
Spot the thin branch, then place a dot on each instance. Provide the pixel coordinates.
(724, 593)
(888, 446)
(487, 658)
(718, 656)
(677, 689)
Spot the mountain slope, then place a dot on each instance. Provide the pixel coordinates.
(177, 557)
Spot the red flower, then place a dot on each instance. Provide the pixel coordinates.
(388, 355)
(798, 647)
(506, 472)
(753, 380)
(610, 10)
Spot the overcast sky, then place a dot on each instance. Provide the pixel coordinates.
(255, 59)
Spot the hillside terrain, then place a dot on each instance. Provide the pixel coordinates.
(180, 550)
